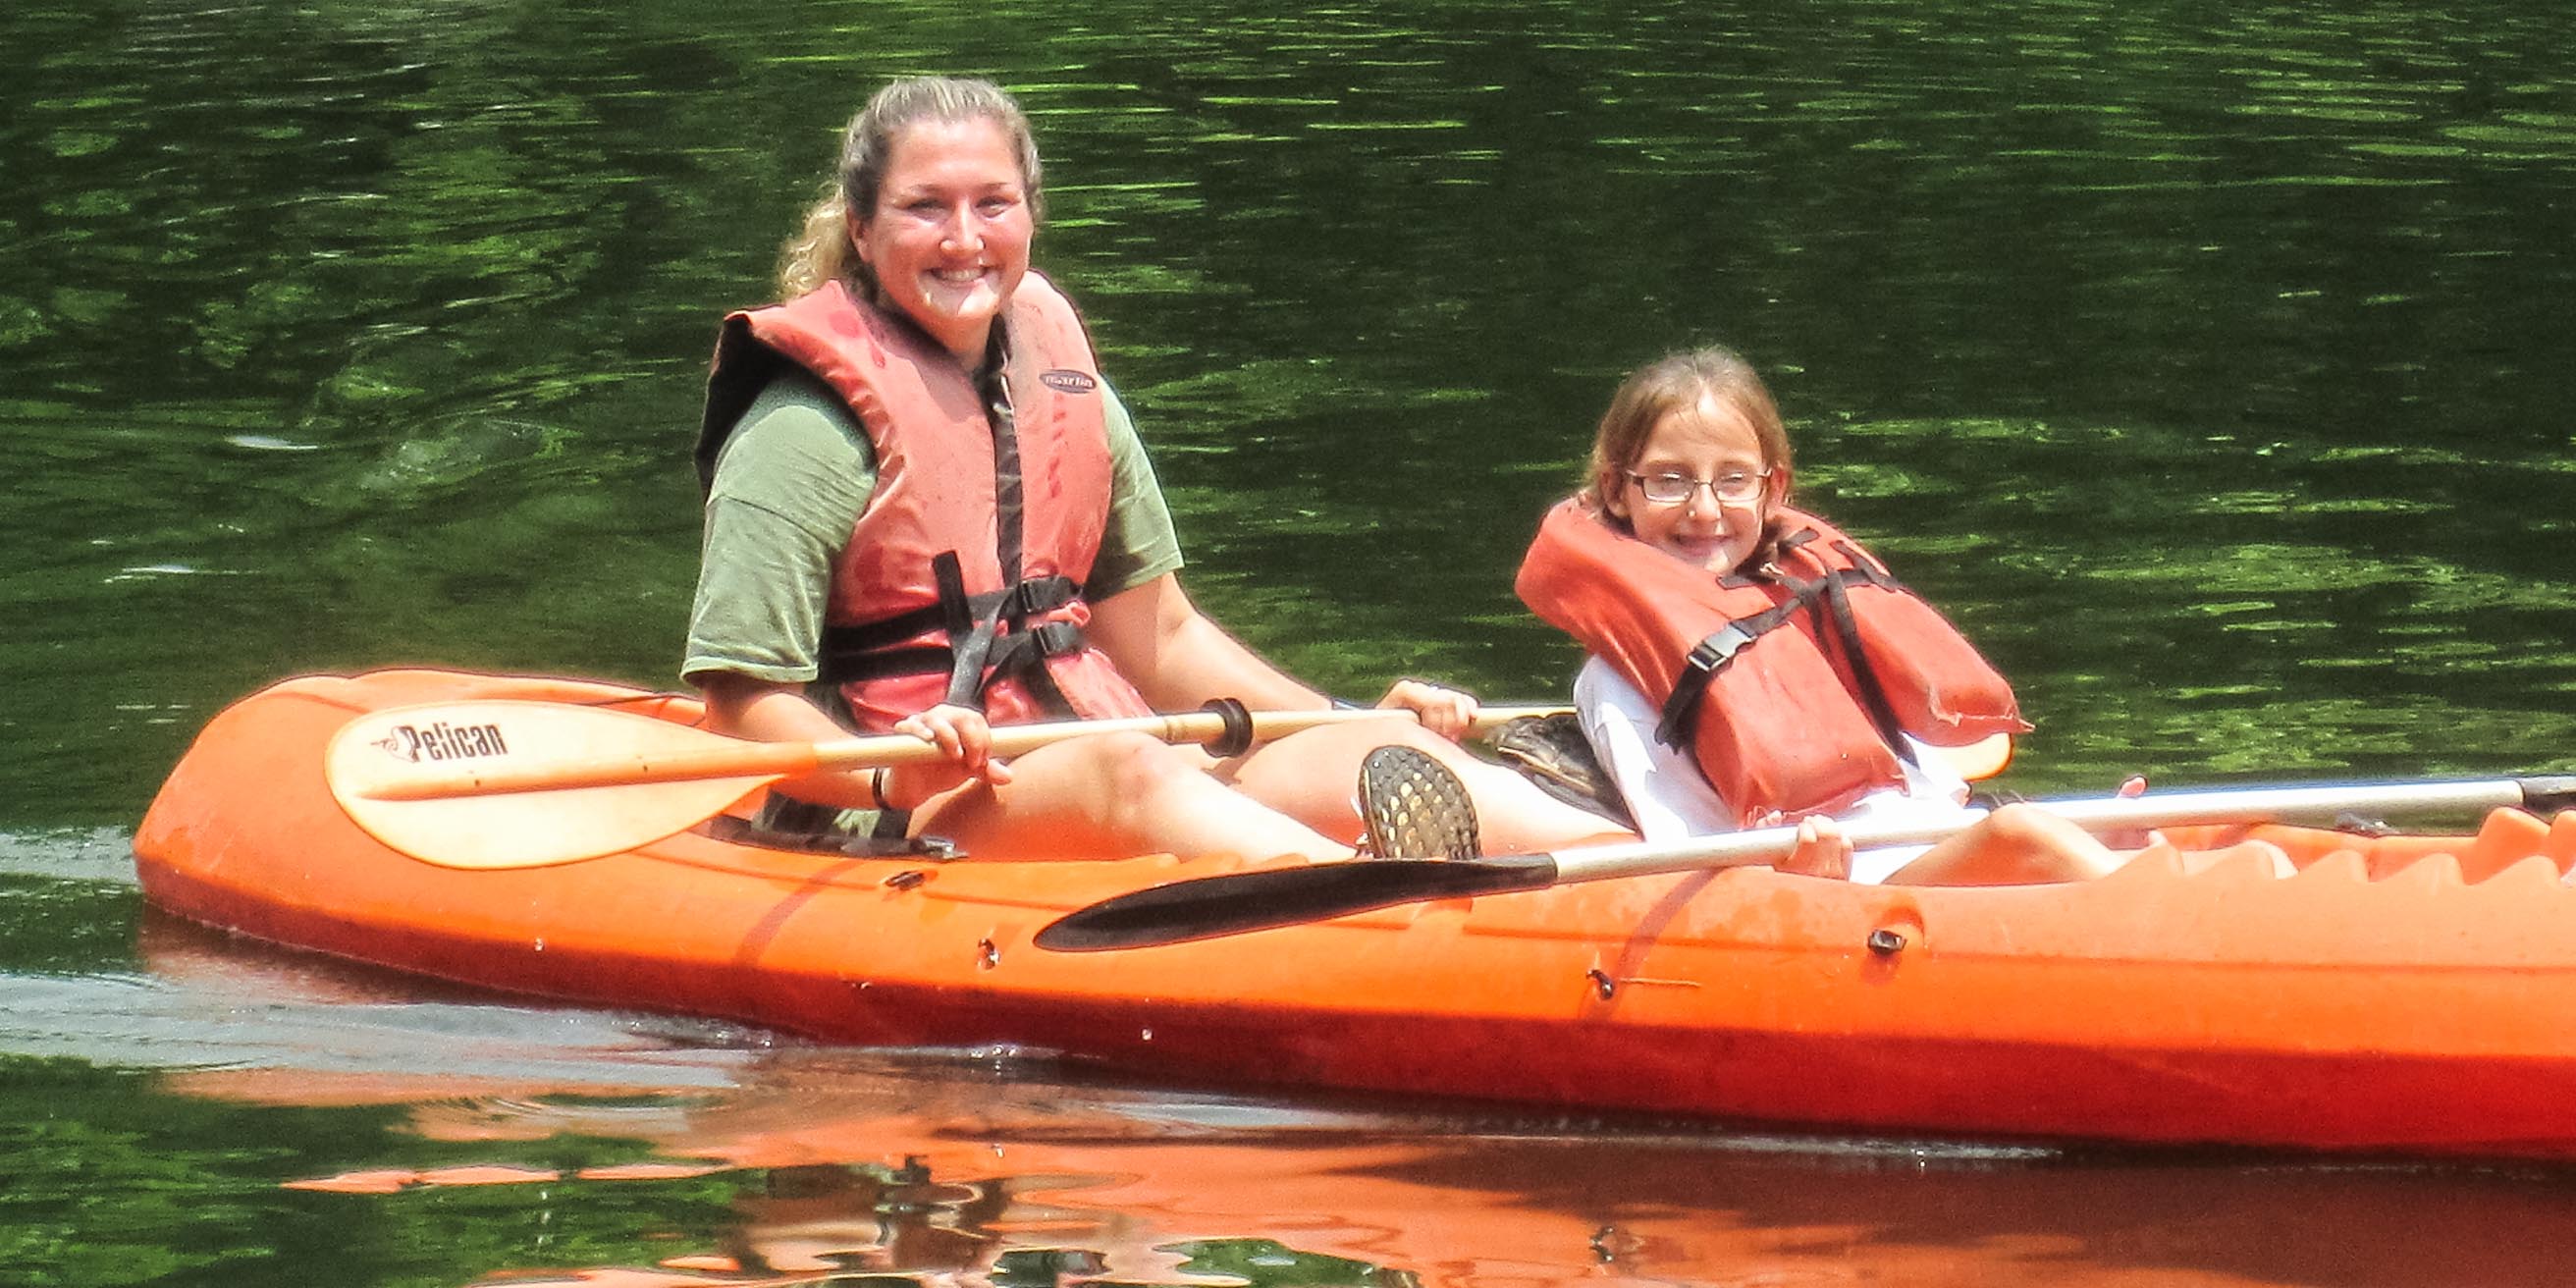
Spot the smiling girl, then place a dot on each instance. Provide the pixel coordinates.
(1749, 664)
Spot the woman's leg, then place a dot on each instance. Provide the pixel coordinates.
(1312, 777)
(1114, 796)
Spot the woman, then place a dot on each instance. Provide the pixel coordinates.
(1750, 664)
(927, 509)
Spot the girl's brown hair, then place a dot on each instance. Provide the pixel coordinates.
(820, 251)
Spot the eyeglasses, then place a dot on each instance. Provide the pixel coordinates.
(1735, 487)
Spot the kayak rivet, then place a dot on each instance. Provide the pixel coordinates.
(1886, 943)
(1602, 984)
(986, 954)
(906, 879)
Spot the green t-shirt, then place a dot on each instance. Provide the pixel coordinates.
(791, 482)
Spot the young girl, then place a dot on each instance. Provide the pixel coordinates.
(1750, 664)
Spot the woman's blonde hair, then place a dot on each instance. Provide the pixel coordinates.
(1670, 384)
(820, 251)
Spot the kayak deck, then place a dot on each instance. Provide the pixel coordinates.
(2400, 993)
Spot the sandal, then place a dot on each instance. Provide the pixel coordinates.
(1553, 754)
(1415, 808)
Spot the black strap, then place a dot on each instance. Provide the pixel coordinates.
(970, 637)
(1017, 655)
(1027, 599)
(1010, 504)
(1710, 656)
(1866, 568)
(1872, 693)
(1838, 631)
(1827, 597)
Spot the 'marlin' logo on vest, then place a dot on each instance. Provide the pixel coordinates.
(1069, 382)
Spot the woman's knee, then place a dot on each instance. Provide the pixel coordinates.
(1131, 769)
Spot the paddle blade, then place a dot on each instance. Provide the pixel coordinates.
(498, 784)
(1246, 901)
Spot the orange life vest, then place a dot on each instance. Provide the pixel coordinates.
(1798, 721)
(962, 579)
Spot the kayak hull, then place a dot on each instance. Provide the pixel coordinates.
(2410, 994)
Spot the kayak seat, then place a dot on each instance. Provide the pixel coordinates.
(787, 824)
(1552, 752)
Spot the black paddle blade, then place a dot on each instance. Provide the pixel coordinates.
(2547, 796)
(1247, 901)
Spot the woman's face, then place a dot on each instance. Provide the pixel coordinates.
(949, 238)
(1708, 442)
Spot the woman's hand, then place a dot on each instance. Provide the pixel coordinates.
(961, 735)
(1449, 713)
(1822, 850)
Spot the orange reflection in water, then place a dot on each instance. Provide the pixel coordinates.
(951, 1171)
(861, 1170)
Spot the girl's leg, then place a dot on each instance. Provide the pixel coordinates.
(1313, 777)
(2015, 845)
(2020, 845)
(1114, 796)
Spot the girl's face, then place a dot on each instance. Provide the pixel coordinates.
(1707, 443)
(949, 238)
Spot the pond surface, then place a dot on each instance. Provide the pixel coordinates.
(2206, 362)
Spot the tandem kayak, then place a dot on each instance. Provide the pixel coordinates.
(2399, 994)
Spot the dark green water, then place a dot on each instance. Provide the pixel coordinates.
(2206, 361)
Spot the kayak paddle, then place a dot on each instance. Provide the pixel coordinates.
(516, 784)
(1233, 904)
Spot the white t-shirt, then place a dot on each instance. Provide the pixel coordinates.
(1673, 801)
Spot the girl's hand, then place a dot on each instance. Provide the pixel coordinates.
(2132, 787)
(1822, 851)
(962, 735)
(1449, 713)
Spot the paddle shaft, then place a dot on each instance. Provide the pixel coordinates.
(723, 757)
(1267, 899)
(2094, 814)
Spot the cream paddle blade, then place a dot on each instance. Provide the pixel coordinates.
(507, 784)
(523, 784)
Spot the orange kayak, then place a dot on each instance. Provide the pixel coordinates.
(2403, 993)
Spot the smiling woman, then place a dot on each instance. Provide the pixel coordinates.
(948, 241)
(928, 513)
